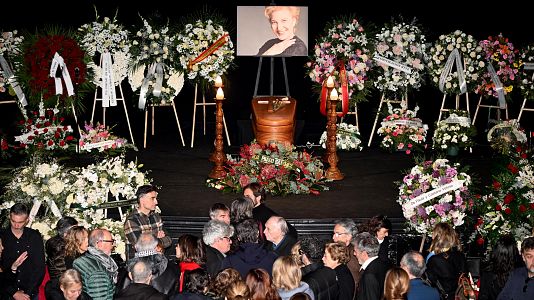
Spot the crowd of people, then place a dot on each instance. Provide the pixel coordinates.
(246, 251)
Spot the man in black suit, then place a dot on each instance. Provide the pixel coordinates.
(278, 239)
(217, 237)
(321, 280)
(261, 212)
(373, 271)
(140, 289)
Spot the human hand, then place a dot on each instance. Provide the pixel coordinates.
(19, 260)
(161, 234)
(280, 47)
(20, 295)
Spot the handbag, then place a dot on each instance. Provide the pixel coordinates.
(465, 290)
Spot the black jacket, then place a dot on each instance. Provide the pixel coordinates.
(446, 267)
(165, 275)
(322, 281)
(284, 248)
(345, 282)
(250, 256)
(214, 259)
(140, 291)
(55, 256)
(371, 285)
(262, 213)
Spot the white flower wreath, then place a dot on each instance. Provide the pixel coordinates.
(10, 43)
(527, 73)
(198, 38)
(121, 61)
(173, 82)
(471, 58)
(401, 52)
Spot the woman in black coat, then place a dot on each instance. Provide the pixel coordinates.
(336, 256)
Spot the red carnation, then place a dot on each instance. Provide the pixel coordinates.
(47, 123)
(45, 130)
(532, 206)
(496, 185)
(62, 143)
(50, 143)
(69, 138)
(61, 119)
(523, 155)
(522, 208)
(508, 198)
(507, 211)
(480, 241)
(512, 168)
(57, 135)
(30, 121)
(40, 145)
(21, 122)
(498, 207)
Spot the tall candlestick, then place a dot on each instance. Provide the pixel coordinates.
(218, 81)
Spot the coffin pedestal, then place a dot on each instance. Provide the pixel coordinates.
(273, 119)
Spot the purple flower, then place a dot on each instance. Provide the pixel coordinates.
(451, 172)
(417, 192)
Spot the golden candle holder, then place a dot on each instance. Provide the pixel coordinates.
(332, 172)
(218, 157)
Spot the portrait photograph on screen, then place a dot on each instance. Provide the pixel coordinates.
(272, 31)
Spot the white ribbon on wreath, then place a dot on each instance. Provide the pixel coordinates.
(454, 119)
(454, 57)
(110, 74)
(395, 65)
(155, 70)
(109, 97)
(423, 198)
(498, 85)
(59, 62)
(528, 66)
(10, 76)
(37, 204)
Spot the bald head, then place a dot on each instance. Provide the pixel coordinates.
(414, 264)
(141, 272)
(275, 229)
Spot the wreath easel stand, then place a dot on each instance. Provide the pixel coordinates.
(457, 104)
(204, 104)
(523, 106)
(382, 101)
(119, 97)
(490, 106)
(152, 106)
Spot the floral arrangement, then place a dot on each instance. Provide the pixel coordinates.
(505, 136)
(108, 36)
(206, 50)
(3, 82)
(99, 138)
(154, 65)
(347, 137)
(279, 168)
(527, 72)
(434, 192)
(71, 77)
(342, 51)
(401, 53)
(455, 130)
(504, 58)
(442, 61)
(77, 192)
(402, 130)
(508, 204)
(10, 43)
(44, 131)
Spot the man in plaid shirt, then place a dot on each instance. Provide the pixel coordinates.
(145, 219)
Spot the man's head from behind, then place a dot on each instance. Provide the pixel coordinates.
(146, 245)
(414, 264)
(141, 272)
(147, 198)
(312, 248)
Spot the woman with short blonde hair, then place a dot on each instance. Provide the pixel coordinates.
(336, 256)
(287, 278)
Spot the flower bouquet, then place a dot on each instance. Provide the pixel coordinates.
(527, 73)
(110, 40)
(44, 131)
(400, 52)
(342, 52)
(456, 131)
(458, 49)
(205, 49)
(434, 192)
(505, 136)
(280, 169)
(10, 43)
(402, 130)
(100, 139)
(347, 137)
(508, 205)
(154, 64)
(503, 64)
(54, 70)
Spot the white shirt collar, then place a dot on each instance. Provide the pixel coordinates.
(367, 262)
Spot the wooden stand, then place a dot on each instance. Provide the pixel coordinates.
(218, 156)
(119, 98)
(152, 106)
(382, 101)
(332, 172)
(457, 106)
(355, 114)
(204, 104)
(479, 105)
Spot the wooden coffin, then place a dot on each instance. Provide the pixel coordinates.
(274, 122)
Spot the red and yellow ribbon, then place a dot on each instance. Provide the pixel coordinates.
(218, 44)
(344, 92)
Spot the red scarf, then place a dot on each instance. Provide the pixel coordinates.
(186, 266)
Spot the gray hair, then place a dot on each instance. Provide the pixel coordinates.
(281, 223)
(141, 271)
(147, 242)
(366, 242)
(214, 230)
(414, 263)
(96, 236)
(349, 225)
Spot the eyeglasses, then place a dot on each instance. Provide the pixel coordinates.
(226, 238)
(340, 233)
(109, 241)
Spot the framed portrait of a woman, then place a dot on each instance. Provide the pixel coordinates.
(272, 31)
